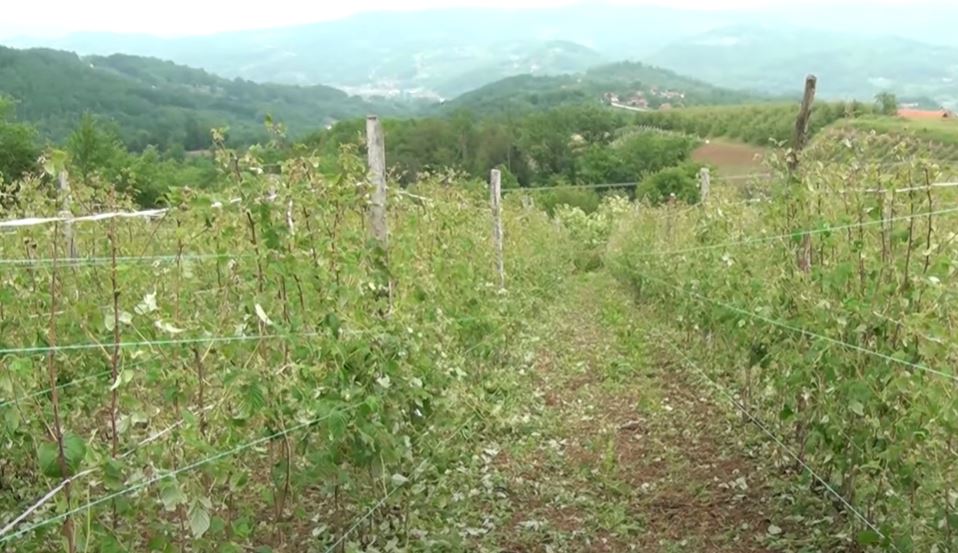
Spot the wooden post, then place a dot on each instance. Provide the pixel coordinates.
(801, 122)
(705, 185)
(376, 146)
(669, 215)
(804, 253)
(495, 200)
(65, 212)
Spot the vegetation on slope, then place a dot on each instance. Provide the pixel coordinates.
(572, 145)
(272, 364)
(836, 335)
(158, 103)
(525, 93)
(758, 124)
(775, 60)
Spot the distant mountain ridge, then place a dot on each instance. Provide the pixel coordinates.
(626, 82)
(775, 60)
(157, 102)
(443, 53)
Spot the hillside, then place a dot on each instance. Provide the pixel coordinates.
(887, 140)
(157, 102)
(775, 60)
(442, 53)
(433, 53)
(623, 80)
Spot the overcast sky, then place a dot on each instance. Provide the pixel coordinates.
(184, 17)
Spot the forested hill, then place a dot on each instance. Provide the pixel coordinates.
(157, 102)
(626, 81)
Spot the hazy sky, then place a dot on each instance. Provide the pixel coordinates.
(178, 17)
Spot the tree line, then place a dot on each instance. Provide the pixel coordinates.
(760, 124)
(573, 145)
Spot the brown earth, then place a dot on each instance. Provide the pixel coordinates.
(634, 454)
(731, 158)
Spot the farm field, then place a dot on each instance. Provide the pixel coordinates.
(731, 158)
(551, 298)
(941, 135)
(303, 358)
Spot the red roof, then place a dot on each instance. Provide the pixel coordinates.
(924, 114)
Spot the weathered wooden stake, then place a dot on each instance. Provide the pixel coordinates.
(66, 213)
(495, 200)
(705, 184)
(376, 147)
(804, 253)
(801, 122)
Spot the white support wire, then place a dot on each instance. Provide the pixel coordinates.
(623, 184)
(391, 492)
(764, 428)
(750, 176)
(67, 262)
(933, 186)
(152, 343)
(797, 234)
(35, 221)
(141, 214)
(155, 436)
(160, 477)
(53, 492)
(94, 376)
(808, 333)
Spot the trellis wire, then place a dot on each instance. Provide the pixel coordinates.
(797, 234)
(128, 260)
(805, 332)
(391, 492)
(152, 343)
(171, 474)
(63, 483)
(718, 178)
(781, 444)
(35, 221)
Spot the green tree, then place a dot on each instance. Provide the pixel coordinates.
(18, 146)
(92, 147)
(886, 103)
(680, 180)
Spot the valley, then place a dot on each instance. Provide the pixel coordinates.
(557, 279)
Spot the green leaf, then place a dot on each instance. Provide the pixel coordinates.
(167, 327)
(122, 379)
(148, 305)
(11, 419)
(337, 425)
(238, 481)
(868, 537)
(48, 456)
(199, 519)
(262, 315)
(857, 408)
(170, 495)
(74, 449)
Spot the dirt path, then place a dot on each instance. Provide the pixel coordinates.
(621, 450)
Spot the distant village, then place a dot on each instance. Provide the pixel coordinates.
(655, 98)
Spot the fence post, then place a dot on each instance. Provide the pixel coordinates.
(495, 200)
(376, 164)
(804, 253)
(66, 213)
(669, 214)
(705, 184)
(376, 152)
(801, 122)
